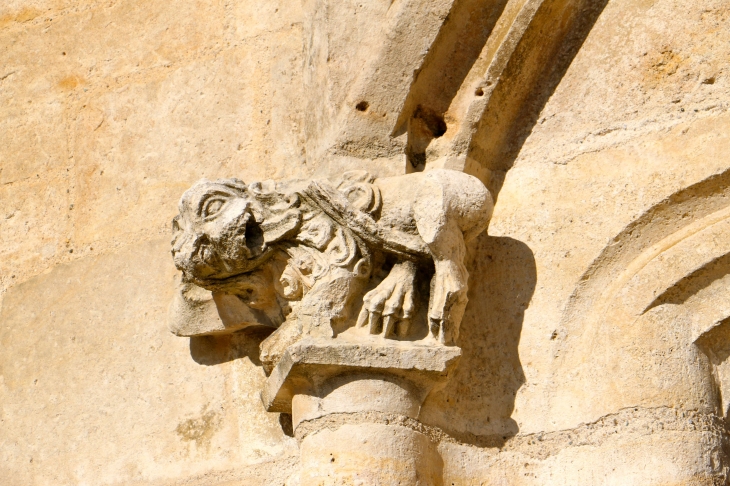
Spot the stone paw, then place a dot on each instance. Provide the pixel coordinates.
(390, 305)
(447, 303)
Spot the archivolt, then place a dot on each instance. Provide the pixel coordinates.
(660, 251)
(670, 265)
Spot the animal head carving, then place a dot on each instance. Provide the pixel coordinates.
(226, 228)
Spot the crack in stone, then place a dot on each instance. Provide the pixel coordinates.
(541, 445)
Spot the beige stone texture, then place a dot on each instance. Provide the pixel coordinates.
(110, 412)
(595, 342)
(369, 454)
(101, 131)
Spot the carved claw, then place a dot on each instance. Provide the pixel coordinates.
(391, 302)
(388, 324)
(435, 330)
(373, 321)
(441, 331)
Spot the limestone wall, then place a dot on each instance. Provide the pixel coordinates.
(629, 152)
(110, 111)
(594, 343)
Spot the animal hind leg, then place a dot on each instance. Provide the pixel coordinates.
(448, 294)
(449, 284)
(450, 207)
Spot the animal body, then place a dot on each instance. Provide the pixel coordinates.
(227, 228)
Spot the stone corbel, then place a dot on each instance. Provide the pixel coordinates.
(364, 281)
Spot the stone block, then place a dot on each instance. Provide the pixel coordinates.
(198, 312)
(89, 394)
(310, 363)
(187, 124)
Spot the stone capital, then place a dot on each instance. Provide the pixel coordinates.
(318, 367)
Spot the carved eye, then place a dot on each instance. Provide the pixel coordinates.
(212, 207)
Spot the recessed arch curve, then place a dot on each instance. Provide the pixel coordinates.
(662, 279)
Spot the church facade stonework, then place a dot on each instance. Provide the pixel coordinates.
(457, 242)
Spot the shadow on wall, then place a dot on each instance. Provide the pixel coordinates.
(477, 404)
(215, 350)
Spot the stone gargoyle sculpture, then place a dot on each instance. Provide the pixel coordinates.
(307, 256)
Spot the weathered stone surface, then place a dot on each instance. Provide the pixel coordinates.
(594, 346)
(83, 344)
(310, 363)
(80, 126)
(147, 127)
(369, 454)
(305, 253)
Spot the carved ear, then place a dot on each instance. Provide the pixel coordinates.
(357, 186)
(280, 226)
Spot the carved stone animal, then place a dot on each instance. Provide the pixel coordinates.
(227, 229)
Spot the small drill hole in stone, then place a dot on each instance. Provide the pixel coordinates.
(362, 106)
(710, 80)
(479, 92)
